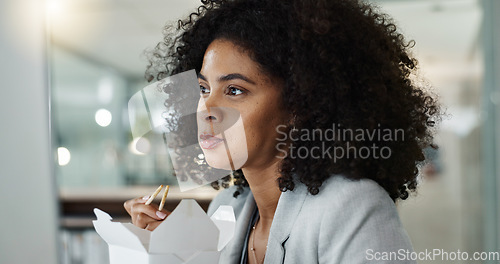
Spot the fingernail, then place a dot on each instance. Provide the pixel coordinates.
(161, 214)
(145, 198)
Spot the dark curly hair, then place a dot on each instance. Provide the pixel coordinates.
(342, 62)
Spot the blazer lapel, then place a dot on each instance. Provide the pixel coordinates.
(289, 206)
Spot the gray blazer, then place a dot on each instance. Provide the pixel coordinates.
(347, 222)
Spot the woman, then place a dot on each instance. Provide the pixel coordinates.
(334, 126)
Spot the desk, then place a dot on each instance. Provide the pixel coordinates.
(77, 204)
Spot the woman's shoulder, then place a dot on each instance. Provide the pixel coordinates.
(339, 190)
(359, 215)
(343, 188)
(344, 202)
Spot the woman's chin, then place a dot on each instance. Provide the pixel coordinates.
(222, 162)
(218, 163)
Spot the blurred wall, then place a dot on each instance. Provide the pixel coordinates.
(27, 191)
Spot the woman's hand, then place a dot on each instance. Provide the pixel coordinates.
(145, 216)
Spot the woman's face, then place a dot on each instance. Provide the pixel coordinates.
(239, 109)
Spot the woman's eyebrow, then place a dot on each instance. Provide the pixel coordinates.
(233, 76)
(201, 76)
(228, 77)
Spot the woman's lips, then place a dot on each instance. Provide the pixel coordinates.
(208, 141)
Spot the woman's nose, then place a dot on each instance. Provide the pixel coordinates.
(211, 117)
(214, 117)
(208, 112)
(212, 114)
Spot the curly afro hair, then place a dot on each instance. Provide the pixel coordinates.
(341, 61)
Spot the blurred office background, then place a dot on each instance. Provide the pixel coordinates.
(86, 57)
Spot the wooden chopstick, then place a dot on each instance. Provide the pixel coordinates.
(153, 196)
(162, 203)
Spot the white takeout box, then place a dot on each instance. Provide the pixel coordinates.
(187, 235)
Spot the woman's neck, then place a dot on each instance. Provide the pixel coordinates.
(265, 189)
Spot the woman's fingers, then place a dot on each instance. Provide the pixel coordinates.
(145, 216)
(130, 203)
(142, 220)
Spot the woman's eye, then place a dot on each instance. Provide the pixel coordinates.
(234, 91)
(204, 90)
